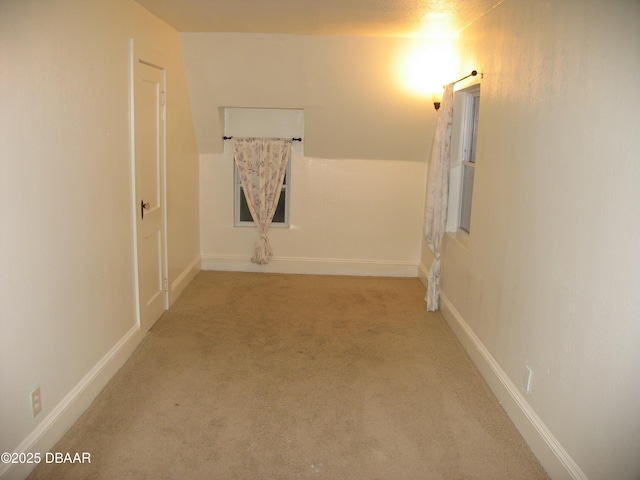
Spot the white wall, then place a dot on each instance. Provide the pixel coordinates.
(551, 273)
(350, 88)
(357, 187)
(67, 305)
(346, 217)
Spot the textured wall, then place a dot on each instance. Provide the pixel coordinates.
(349, 87)
(67, 287)
(550, 276)
(358, 212)
(357, 193)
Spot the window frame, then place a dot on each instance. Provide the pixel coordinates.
(469, 149)
(463, 158)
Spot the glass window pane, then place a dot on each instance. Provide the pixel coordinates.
(474, 134)
(278, 217)
(467, 193)
(245, 214)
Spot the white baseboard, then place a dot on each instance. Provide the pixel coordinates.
(180, 283)
(314, 266)
(423, 275)
(65, 414)
(553, 457)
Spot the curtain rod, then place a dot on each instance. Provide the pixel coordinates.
(293, 139)
(472, 74)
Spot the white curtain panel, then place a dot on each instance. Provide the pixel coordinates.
(262, 164)
(438, 193)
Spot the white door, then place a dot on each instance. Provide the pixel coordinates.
(149, 175)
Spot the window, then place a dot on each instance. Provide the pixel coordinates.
(470, 138)
(466, 111)
(242, 213)
(267, 123)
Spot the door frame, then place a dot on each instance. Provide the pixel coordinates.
(142, 53)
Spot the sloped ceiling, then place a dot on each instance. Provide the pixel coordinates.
(397, 18)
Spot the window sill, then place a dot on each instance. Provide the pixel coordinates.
(253, 225)
(461, 237)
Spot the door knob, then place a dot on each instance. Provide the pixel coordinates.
(143, 207)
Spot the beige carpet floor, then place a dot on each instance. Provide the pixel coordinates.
(264, 376)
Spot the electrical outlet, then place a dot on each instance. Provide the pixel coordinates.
(36, 402)
(528, 379)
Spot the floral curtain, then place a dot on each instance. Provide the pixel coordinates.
(438, 193)
(262, 164)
